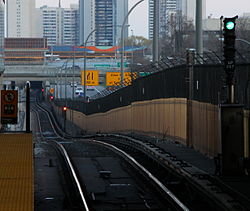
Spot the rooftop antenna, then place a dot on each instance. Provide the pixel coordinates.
(59, 4)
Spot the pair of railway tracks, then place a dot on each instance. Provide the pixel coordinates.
(51, 132)
(202, 191)
(184, 182)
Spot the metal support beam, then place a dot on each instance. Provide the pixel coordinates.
(190, 95)
(156, 31)
(198, 25)
(28, 107)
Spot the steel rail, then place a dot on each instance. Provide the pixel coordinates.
(194, 177)
(51, 123)
(74, 175)
(159, 184)
(175, 165)
(162, 187)
(151, 176)
(65, 154)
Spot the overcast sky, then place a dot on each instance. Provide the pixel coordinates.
(138, 19)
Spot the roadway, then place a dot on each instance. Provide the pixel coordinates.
(59, 91)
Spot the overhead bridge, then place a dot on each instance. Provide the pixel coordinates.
(36, 73)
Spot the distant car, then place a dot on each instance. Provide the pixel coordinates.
(90, 88)
(76, 67)
(79, 91)
(73, 84)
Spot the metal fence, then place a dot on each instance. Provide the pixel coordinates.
(207, 58)
(170, 78)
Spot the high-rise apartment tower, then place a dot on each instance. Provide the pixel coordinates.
(59, 25)
(105, 18)
(20, 21)
(168, 9)
(188, 8)
(1, 36)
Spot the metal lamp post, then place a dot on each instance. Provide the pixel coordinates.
(56, 84)
(61, 82)
(65, 84)
(85, 62)
(61, 76)
(156, 31)
(122, 39)
(198, 34)
(242, 40)
(132, 59)
(73, 90)
(65, 81)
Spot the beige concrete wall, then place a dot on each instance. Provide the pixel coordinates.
(1, 85)
(160, 118)
(205, 128)
(246, 133)
(0, 102)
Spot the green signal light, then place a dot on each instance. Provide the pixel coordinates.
(230, 25)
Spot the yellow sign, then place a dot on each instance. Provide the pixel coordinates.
(92, 77)
(127, 78)
(114, 78)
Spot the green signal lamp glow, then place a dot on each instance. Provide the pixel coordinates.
(230, 25)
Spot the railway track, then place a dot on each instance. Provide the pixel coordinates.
(202, 191)
(76, 198)
(197, 189)
(68, 147)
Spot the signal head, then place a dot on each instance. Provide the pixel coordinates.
(230, 25)
(65, 108)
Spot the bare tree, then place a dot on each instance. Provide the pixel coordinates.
(178, 37)
(213, 43)
(143, 45)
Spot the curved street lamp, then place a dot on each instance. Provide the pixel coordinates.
(242, 40)
(122, 39)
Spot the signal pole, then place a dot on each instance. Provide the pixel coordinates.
(229, 55)
(232, 114)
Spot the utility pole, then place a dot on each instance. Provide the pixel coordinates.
(190, 95)
(156, 31)
(198, 25)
